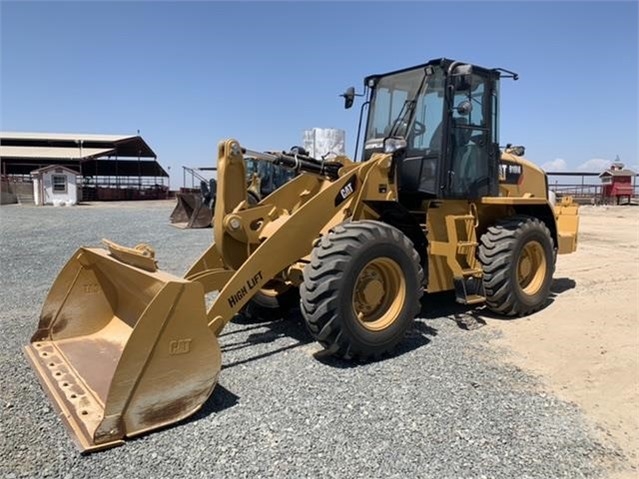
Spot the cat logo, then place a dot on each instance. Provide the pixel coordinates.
(510, 173)
(179, 346)
(346, 191)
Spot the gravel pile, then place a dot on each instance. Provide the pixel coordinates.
(444, 406)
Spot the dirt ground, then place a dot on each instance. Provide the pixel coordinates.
(585, 345)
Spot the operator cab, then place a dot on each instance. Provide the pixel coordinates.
(442, 120)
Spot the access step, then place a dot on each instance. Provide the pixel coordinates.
(471, 299)
(469, 290)
(463, 217)
(466, 246)
(472, 272)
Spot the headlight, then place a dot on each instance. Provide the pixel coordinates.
(391, 145)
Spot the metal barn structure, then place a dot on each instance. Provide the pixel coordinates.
(109, 167)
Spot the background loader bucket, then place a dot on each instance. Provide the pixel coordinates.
(122, 350)
(191, 212)
(567, 225)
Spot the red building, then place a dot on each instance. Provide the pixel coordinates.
(617, 183)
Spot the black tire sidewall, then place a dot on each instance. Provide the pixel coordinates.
(252, 198)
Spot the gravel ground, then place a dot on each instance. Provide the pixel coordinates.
(444, 406)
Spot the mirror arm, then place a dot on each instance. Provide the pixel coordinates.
(509, 74)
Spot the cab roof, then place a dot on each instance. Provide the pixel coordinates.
(444, 63)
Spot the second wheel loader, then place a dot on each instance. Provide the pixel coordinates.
(123, 348)
(194, 209)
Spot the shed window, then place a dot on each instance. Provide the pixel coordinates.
(59, 184)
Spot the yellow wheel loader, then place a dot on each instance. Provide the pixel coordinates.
(434, 204)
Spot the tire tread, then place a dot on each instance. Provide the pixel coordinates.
(495, 253)
(322, 279)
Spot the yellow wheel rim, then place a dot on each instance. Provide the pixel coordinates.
(379, 294)
(531, 268)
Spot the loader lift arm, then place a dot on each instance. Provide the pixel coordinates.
(278, 232)
(123, 348)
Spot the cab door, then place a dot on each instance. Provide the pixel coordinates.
(471, 147)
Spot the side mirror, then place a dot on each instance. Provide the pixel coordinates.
(349, 97)
(464, 108)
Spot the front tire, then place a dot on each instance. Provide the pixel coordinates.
(518, 259)
(361, 290)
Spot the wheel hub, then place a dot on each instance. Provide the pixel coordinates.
(379, 294)
(374, 292)
(531, 268)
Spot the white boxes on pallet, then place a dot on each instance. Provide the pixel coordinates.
(328, 142)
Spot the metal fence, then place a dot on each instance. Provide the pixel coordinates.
(583, 187)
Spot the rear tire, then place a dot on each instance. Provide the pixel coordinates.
(269, 305)
(361, 290)
(518, 259)
(252, 198)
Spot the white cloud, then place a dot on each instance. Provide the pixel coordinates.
(596, 165)
(557, 164)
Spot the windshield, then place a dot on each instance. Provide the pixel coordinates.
(401, 100)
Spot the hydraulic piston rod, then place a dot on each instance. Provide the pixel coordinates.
(298, 162)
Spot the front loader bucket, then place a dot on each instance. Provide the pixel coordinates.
(122, 349)
(191, 212)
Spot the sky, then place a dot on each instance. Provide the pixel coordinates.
(189, 74)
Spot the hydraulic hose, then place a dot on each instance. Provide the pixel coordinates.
(298, 162)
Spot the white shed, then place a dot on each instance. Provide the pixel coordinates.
(55, 185)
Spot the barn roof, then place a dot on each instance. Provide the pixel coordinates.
(88, 154)
(120, 145)
(624, 172)
(50, 153)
